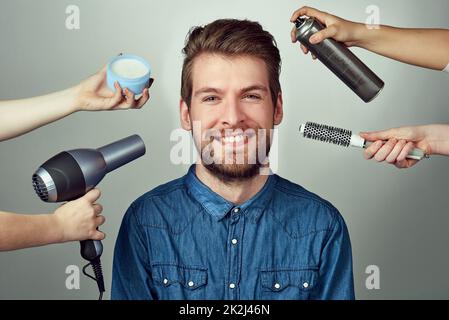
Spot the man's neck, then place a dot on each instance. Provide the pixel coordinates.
(236, 192)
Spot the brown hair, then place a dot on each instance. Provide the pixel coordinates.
(231, 37)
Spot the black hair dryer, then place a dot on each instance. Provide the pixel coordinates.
(71, 174)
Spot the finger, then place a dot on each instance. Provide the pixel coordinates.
(100, 220)
(407, 163)
(150, 83)
(310, 12)
(379, 135)
(129, 95)
(92, 195)
(372, 149)
(293, 35)
(98, 208)
(392, 157)
(304, 49)
(118, 89)
(115, 100)
(98, 235)
(104, 69)
(383, 152)
(328, 32)
(406, 150)
(401, 164)
(143, 99)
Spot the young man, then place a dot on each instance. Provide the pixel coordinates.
(427, 48)
(227, 230)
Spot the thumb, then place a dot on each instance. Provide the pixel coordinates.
(321, 35)
(380, 135)
(103, 70)
(92, 195)
(98, 235)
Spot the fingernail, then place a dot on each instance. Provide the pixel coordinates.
(313, 39)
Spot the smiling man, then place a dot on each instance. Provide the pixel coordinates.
(228, 229)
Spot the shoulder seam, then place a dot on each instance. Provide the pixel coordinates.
(312, 197)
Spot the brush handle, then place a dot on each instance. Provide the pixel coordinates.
(415, 154)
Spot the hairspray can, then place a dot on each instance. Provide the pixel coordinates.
(340, 60)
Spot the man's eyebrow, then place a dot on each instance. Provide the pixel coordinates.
(215, 90)
(254, 88)
(206, 90)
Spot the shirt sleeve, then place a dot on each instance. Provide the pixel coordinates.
(131, 271)
(335, 273)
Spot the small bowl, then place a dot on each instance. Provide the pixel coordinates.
(131, 72)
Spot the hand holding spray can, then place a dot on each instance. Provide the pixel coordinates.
(340, 60)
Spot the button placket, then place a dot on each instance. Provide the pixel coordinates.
(234, 253)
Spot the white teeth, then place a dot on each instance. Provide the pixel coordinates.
(232, 139)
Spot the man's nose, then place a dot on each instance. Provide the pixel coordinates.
(233, 115)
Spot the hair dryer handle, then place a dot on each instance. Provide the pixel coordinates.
(91, 249)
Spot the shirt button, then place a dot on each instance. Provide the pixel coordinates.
(190, 284)
(236, 210)
(165, 281)
(305, 285)
(232, 285)
(234, 241)
(277, 285)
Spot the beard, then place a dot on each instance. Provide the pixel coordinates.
(232, 164)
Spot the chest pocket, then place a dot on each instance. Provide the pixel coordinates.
(175, 282)
(287, 284)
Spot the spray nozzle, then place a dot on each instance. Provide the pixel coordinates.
(299, 22)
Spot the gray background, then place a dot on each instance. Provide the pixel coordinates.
(397, 219)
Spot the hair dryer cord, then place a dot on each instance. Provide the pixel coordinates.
(96, 266)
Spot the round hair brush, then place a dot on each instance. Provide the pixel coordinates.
(344, 137)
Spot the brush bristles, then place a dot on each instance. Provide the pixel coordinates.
(322, 132)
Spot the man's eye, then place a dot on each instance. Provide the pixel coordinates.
(252, 97)
(210, 99)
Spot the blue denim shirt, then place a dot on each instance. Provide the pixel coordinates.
(183, 241)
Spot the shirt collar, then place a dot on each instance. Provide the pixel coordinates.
(218, 207)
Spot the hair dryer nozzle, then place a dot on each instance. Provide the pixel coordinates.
(123, 151)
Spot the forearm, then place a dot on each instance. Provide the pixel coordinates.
(437, 136)
(428, 48)
(21, 116)
(19, 231)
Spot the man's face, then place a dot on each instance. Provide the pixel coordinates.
(231, 114)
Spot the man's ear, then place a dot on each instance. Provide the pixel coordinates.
(186, 124)
(278, 110)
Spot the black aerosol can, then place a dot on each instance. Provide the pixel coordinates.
(340, 60)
